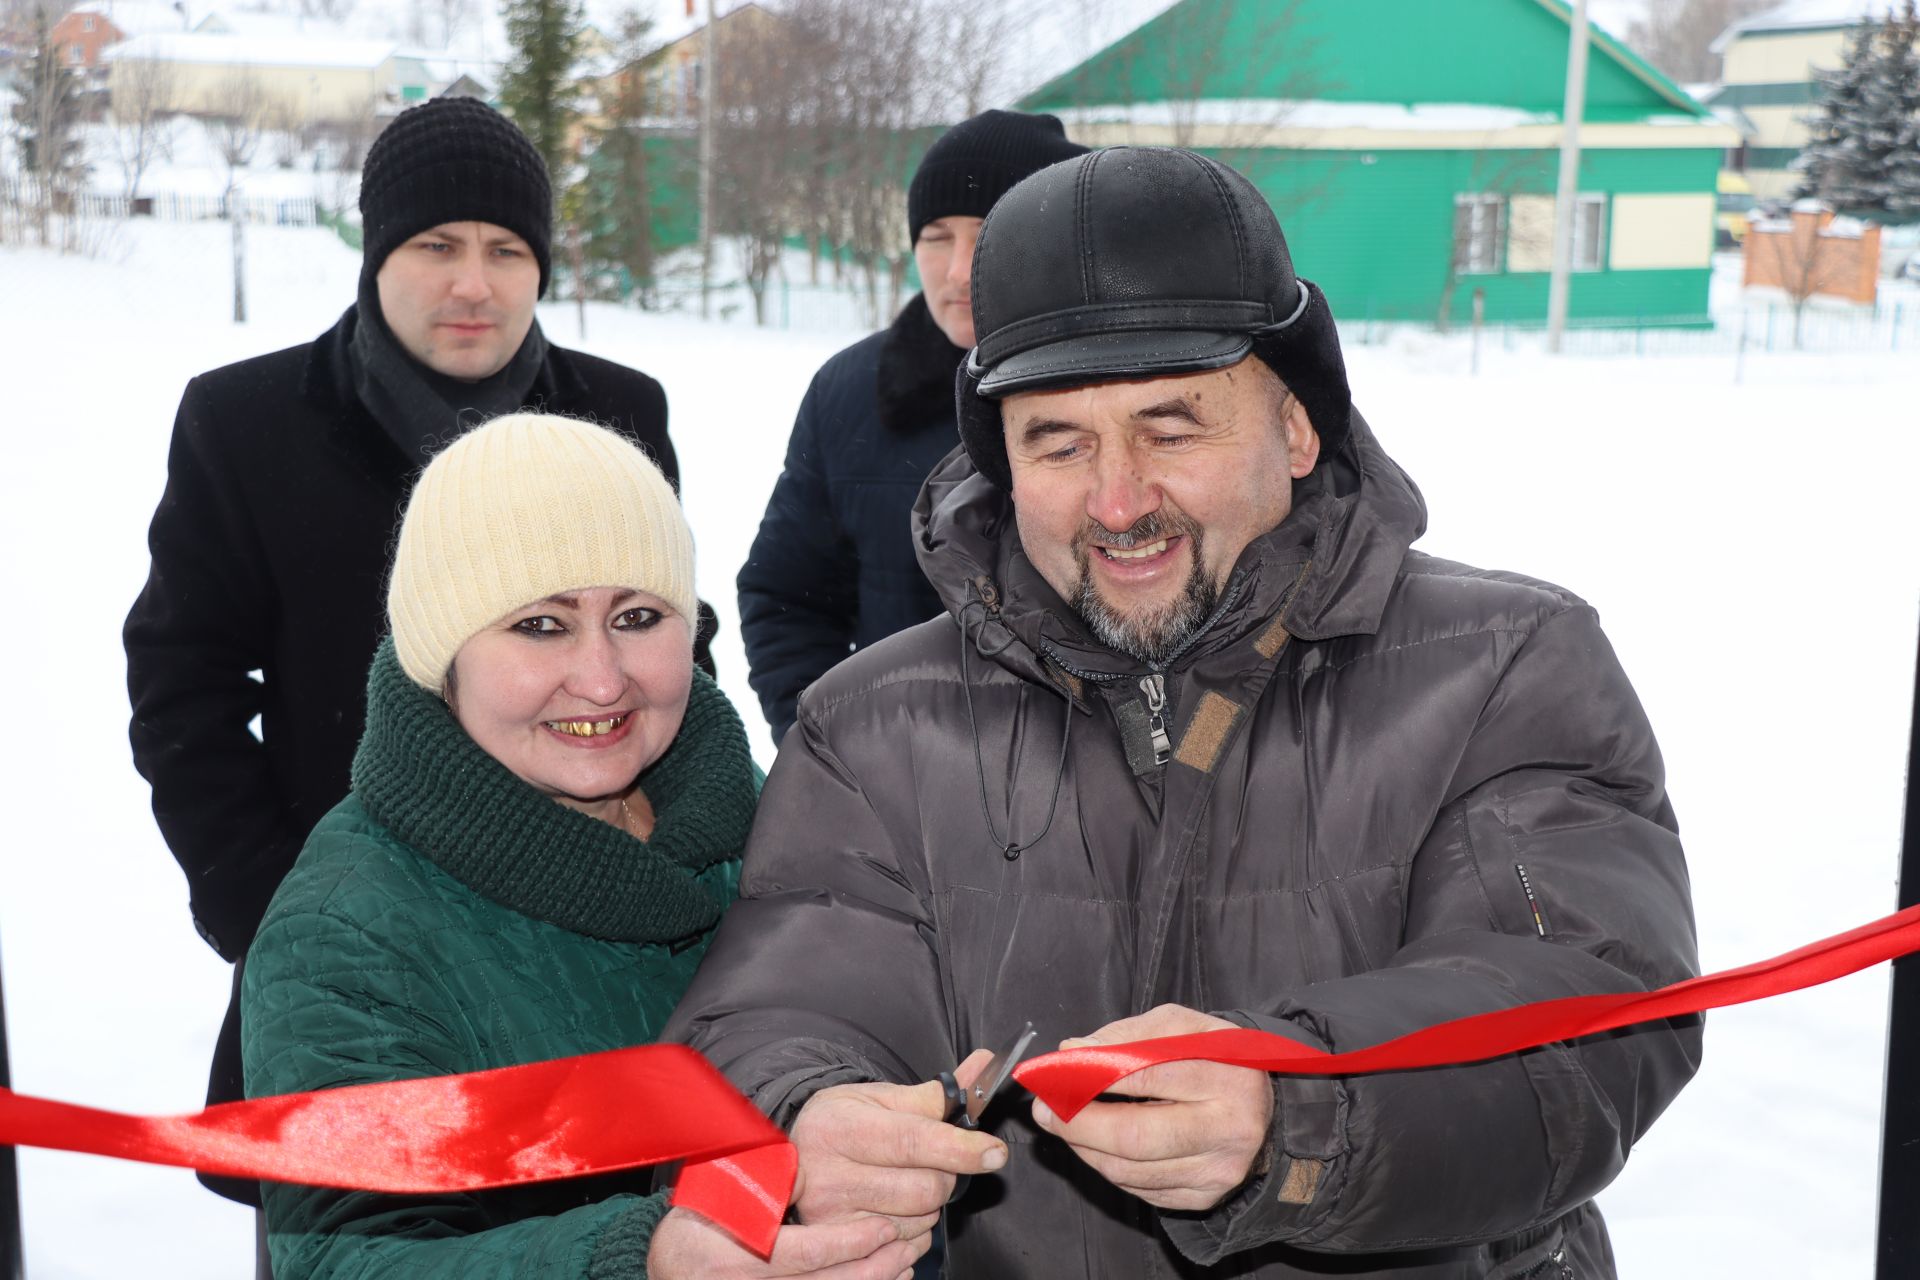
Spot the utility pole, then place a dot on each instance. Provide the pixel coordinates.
(709, 89)
(1899, 1242)
(1569, 188)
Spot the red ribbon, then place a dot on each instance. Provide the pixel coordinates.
(658, 1103)
(1068, 1080)
(560, 1119)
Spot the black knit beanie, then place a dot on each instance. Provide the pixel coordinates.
(453, 160)
(973, 164)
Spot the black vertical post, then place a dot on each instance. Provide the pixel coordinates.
(1900, 1147)
(12, 1266)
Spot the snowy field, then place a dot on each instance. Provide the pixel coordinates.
(1753, 547)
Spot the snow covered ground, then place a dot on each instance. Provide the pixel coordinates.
(1754, 548)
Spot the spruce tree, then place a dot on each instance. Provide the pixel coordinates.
(1863, 155)
(538, 88)
(1900, 184)
(1834, 162)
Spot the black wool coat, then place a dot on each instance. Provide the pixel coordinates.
(833, 568)
(266, 598)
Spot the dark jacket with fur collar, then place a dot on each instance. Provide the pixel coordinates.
(833, 567)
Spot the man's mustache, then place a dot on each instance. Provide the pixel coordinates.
(1151, 527)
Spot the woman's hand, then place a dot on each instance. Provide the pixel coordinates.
(687, 1247)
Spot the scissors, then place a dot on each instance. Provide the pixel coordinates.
(964, 1106)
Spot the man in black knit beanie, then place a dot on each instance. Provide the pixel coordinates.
(833, 568)
(247, 652)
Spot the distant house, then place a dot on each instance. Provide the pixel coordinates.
(82, 35)
(303, 80)
(1770, 69)
(1412, 149)
(674, 71)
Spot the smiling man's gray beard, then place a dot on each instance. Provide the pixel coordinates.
(1153, 635)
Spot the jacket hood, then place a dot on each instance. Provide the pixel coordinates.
(1330, 564)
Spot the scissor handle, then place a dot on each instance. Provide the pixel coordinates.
(956, 1113)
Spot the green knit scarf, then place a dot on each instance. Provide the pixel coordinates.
(420, 776)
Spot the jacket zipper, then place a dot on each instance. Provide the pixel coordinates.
(1155, 688)
(1557, 1261)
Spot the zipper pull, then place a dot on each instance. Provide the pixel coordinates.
(989, 594)
(1155, 688)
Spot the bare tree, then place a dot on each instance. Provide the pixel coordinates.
(45, 116)
(142, 104)
(346, 138)
(284, 123)
(758, 117)
(334, 11)
(452, 18)
(822, 112)
(1676, 35)
(237, 112)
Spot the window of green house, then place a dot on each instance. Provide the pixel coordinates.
(1590, 233)
(1479, 233)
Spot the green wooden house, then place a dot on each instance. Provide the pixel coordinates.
(1411, 149)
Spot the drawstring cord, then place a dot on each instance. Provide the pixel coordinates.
(1010, 848)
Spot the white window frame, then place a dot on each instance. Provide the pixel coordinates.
(1590, 214)
(1483, 250)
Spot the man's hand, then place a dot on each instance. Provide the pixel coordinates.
(1196, 1135)
(884, 1149)
(687, 1247)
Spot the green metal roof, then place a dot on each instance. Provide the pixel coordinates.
(1498, 52)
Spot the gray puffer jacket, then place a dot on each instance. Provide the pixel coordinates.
(1397, 790)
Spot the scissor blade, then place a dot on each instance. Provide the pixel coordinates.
(999, 1070)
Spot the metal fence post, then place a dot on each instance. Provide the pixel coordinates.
(12, 1263)
(1898, 309)
(1900, 1113)
(1770, 310)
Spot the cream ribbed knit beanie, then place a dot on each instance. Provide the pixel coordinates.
(522, 508)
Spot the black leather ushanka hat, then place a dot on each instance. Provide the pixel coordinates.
(1137, 262)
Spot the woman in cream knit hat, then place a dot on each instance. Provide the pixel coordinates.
(545, 826)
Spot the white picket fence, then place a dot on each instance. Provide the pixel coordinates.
(293, 211)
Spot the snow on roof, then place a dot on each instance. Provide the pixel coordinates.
(242, 22)
(256, 51)
(1802, 15)
(1314, 114)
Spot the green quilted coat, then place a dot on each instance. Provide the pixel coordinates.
(446, 917)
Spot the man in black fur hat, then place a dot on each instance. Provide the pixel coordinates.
(1202, 743)
(833, 567)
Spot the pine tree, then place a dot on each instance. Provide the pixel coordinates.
(1863, 155)
(46, 116)
(538, 89)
